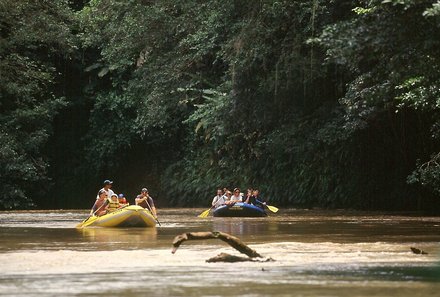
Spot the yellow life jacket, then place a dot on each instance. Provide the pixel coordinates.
(112, 205)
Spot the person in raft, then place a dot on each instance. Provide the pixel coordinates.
(107, 188)
(146, 201)
(99, 208)
(122, 200)
(235, 197)
(227, 197)
(255, 199)
(219, 199)
(113, 203)
(249, 194)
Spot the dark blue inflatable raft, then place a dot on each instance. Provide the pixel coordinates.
(239, 209)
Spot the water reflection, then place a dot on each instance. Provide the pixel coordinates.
(244, 226)
(119, 235)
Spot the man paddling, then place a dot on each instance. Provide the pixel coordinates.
(146, 201)
(219, 199)
(99, 207)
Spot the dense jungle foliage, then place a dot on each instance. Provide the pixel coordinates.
(317, 103)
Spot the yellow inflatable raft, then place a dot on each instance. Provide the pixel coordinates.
(129, 216)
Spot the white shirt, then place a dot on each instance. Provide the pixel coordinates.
(109, 193)
(218, 201)
(236, 198)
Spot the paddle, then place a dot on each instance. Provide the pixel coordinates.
(83, 222)
(205, 213)
(149, 207)
(87, 222)
(270, 207)
(92, 215)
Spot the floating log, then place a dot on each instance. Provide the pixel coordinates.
(418, 251)
(223, 257)
(231, 240)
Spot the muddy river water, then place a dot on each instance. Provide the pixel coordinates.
(317, 253)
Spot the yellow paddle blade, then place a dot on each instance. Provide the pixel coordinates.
(87, 222)
(204, 214)
(272, 208)
(80, 225)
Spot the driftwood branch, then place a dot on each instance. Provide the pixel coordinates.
(223, 257)
(418, 251)
(231, 240)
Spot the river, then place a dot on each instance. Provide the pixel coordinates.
(316, 253)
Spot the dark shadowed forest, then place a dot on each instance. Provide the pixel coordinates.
(318, 103)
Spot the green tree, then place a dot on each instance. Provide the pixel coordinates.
(318, 103)
(391, 50)
(34, 34)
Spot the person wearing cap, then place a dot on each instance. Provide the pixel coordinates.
(122, 200)
(107, 188)
(99, 207)
(146, 201)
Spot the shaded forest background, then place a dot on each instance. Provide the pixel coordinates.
(317, 103)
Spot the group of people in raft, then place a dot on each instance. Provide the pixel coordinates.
(226, 197)
(107, 201)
